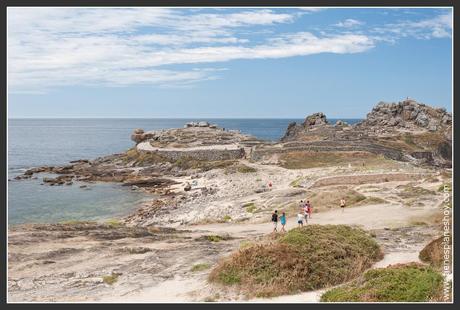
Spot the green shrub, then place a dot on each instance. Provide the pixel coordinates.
(304, 259)
(110, 279)
(399, 283)
(250, 207)
(245, 169)
(200, 267)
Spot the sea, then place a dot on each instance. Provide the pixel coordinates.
(39, 142)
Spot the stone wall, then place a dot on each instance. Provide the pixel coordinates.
(328, 146)
(209, 155)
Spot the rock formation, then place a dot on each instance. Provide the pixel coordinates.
(406, 130)
(408, 114)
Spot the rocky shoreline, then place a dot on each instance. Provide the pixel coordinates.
(210, 193)
(182, 165)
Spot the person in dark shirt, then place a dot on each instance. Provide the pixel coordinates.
(275, 220)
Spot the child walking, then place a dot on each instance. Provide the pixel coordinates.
(300, 218)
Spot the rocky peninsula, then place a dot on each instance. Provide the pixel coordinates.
(212, 194)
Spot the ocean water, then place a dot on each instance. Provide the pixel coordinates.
(38, 142)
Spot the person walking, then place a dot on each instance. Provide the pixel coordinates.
(309, 209)
(300, 218)
(342, 204)
(305, 212)
(283, 221)
(275, 220)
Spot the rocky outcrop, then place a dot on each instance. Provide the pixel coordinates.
(316, 119)
(139, 135)
(407, 114)
(311, 122)
(406, 130)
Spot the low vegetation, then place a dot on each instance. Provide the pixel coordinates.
(215, 238)
(399, 283)
(240, 168)
(308, 159)
(142, 158)
(303, 259)
(329, 198)
(110, 279)
(113, 223)
(413, 142)
(250, 207)
(200, 267)
(186, 163)
(411, 191)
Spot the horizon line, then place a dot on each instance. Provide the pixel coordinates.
(179, 118)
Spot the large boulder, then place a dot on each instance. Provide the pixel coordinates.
(315, 119)
(139, 135)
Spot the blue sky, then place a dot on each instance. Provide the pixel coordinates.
(238, 62)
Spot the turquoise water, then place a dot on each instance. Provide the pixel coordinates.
(37, 142)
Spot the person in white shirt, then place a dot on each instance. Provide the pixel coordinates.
(300, 218)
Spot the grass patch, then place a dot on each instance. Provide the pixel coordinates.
(227, 218)
(250, 207)
(76, 222)
(200, 267)
(414, 142)
(245, 169)
(399, 283)
(296, 182)
(303, 259)
(329, 198)
(142, 158)
(215, 238)
(186, 162)
(411, 191)
(110, 279)
(113, 223)
(308, 159)
(240, 168)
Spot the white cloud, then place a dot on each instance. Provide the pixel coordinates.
(439, 26)
(349, 23)
(50, 48)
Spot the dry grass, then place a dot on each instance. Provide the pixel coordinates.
(326, 199)
(303, 259)
(142, 158)
(413, 142)
(200, 267)
(240, 168)
(186, 163)
(366, 179)
(305, 160)
(398, 283)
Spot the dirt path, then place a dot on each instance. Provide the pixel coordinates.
(368, 217)
(376, 217)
